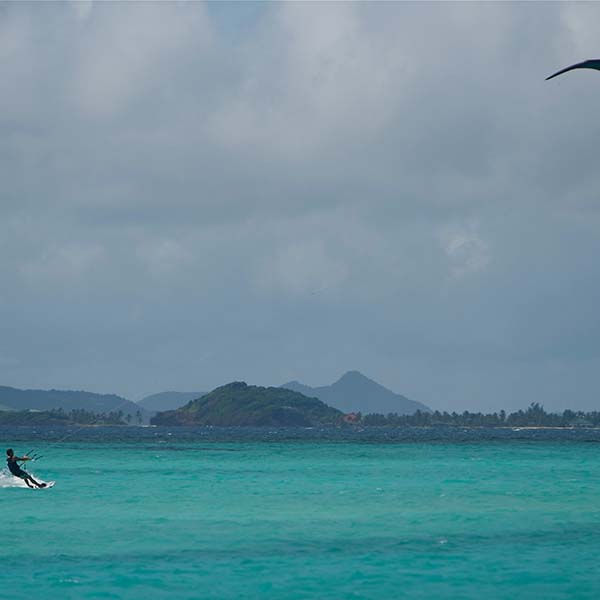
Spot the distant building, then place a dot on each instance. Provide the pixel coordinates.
(352, 418)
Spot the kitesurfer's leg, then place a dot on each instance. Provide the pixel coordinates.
(37, 483)
(26, 480)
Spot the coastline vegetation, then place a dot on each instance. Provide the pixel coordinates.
(534, 416)
(263, 406)
(58, 416)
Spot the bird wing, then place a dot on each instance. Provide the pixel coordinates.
(593, 63)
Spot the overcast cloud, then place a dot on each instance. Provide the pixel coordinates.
(198, 193)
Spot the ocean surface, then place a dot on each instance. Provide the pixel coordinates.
(147, 513)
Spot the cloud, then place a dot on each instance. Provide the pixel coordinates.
(83, 8)
(300, 186)
(311, 94)
(303, 268)
(63, 263)
(468, 254)
(131, 51)
(164, 258)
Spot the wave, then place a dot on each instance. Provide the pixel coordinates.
(7, 480)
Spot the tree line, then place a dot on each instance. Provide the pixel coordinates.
(59, 416)
(81, 416)
(534, 416)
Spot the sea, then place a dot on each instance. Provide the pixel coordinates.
(374, 513)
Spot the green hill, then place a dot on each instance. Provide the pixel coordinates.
(238, 404)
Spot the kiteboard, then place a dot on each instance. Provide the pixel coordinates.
(49, 484)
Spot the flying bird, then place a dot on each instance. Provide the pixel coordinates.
(593, 63)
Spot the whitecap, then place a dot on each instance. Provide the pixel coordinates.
(8, 481)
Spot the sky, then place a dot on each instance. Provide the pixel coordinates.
(192, 194)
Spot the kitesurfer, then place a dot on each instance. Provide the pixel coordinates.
(16, 470)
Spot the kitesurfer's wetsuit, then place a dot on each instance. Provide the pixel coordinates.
(14, 468)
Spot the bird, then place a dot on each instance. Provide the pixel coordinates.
(592, 63)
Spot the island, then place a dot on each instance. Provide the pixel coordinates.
(240, 405)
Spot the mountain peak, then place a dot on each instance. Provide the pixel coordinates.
(352, 376)
(355, 392)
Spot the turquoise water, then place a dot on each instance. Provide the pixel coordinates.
(169, 518)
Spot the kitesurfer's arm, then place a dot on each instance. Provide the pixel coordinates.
(22, 458)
